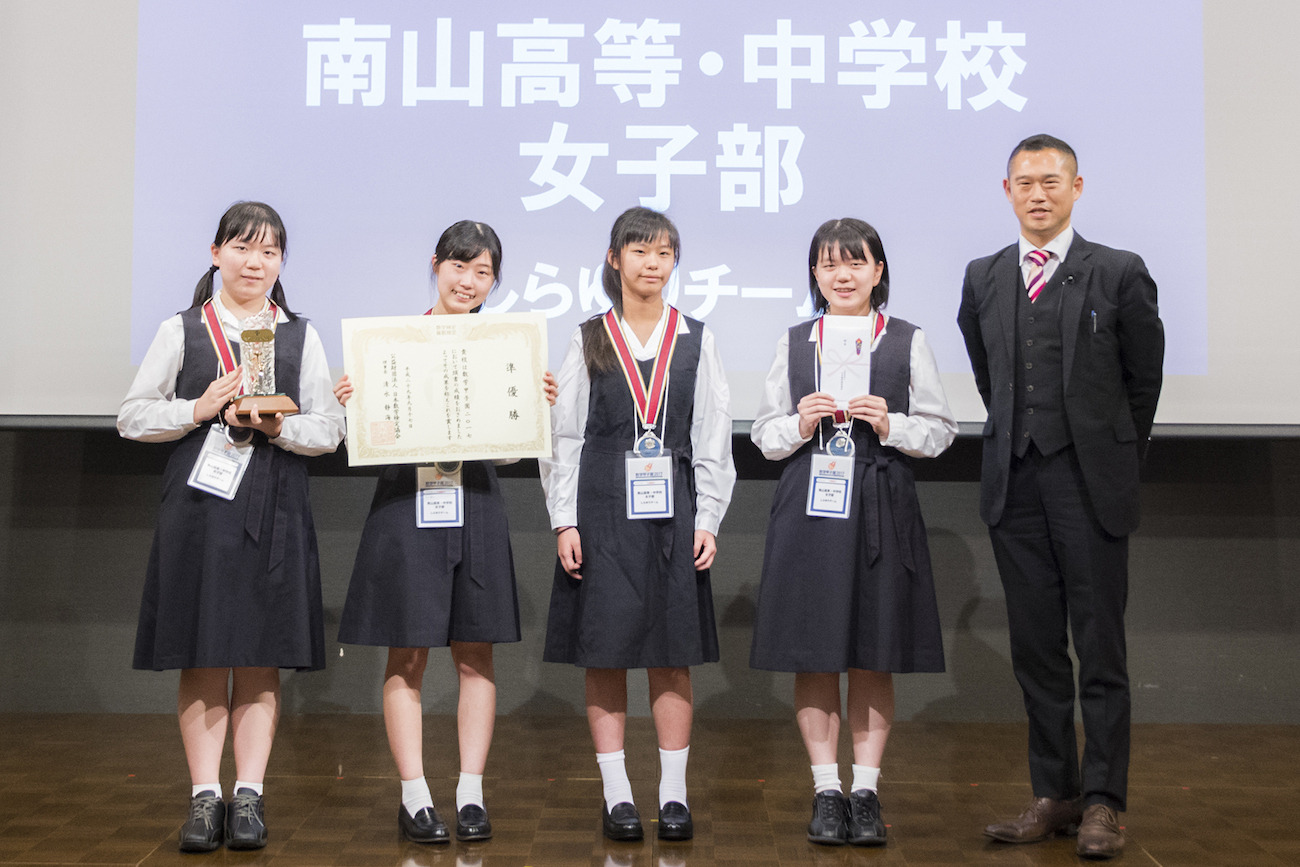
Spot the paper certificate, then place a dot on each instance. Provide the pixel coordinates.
(446, 388)
(846, 356)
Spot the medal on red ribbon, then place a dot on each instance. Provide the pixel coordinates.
(647, 397)
(220, 345)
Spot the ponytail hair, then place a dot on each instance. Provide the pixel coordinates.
(633, 226)
(247, 221)
(203, 289)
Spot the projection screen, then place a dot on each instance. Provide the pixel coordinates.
(371, 127)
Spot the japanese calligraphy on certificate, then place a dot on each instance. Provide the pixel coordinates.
(446, 388)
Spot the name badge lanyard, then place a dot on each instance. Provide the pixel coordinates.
(221, 346)
(841, 443)
(648, 399)
(222, 461)
(648, 470)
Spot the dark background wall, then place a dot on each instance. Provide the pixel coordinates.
(1214, 619)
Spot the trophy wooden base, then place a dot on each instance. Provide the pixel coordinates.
(267, 405)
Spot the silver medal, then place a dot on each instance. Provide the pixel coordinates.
(841, 445)
(648, 445)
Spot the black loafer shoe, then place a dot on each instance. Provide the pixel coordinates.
(623, 822)
(472, 823)
(675, 822)
(866, 828)
(204, 829)
(829, 825)
(245, 828)
(426, 826)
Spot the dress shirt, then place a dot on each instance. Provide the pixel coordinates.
(1058, 247)
(715, 474)
(151, 412)
(923, 433)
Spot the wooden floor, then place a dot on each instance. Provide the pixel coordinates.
(112, 789)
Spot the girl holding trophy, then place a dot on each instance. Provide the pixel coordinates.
(846, 583)
(232, 592)
(440, 584)
(639, 480)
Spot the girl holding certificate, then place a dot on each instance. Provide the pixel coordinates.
(232, 593)
(846, 583)
(422, 582)
(640, 478)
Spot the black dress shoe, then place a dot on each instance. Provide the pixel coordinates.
(426, 826)
(472, 823)
(623, 822)
(206, 825)
(675, 822)
(866, 828)
(244, 826)
(829, 825)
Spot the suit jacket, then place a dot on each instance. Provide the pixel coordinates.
(1113, 347)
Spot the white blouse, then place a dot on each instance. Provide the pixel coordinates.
(715, 474)
(923, 433)
(151, 412)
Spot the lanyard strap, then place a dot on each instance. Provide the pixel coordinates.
(648, 399)
(220, 345)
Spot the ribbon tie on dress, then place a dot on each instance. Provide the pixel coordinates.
(901, 493)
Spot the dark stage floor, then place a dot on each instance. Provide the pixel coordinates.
(112, 789)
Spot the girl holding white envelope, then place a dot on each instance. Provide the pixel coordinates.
(851, 397)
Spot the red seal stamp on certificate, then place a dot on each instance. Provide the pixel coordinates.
(383, 433)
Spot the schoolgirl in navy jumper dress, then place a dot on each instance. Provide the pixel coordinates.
(414, 588)
(232, 592)
(849, 594)
(634, 592)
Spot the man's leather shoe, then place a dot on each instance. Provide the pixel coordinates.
(206, 825)
(472, 823)
(245, 828)
(623, 822)
(1043, 818)
(426, 826)
(675, 822)
(830, 814)
(866, 828)
(1099, 835)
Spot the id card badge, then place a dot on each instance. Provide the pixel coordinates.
(221, 464)
(830, 486)
(440, 498)
(649, 486)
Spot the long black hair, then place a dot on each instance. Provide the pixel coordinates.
(633, 226)
(247, 221)
(851, 236)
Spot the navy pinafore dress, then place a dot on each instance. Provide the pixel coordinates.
(640, 602)
(858, 592)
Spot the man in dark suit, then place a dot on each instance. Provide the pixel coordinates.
(1067, 348)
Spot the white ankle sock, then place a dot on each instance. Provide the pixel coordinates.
(240, 784)
(865, 777)
(672, 775)
(199, 789)
(613, 773)
(415, 795)
(826, 778)
(469, 790)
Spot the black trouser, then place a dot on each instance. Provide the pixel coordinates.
(1059, 569)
